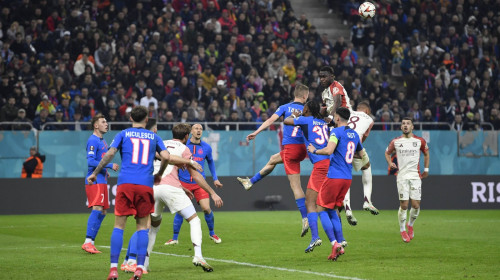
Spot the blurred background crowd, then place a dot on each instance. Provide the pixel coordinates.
(237, 61)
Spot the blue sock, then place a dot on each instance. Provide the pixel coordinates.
(127, 256)
(177, 225)
(337, 226)
(142, 246)
(116, 244)
(98, 223)
(132, 253)
(313, 224)
(257, 177)
(327, 225)
(209, 218)
(301, 204)
(91, 224)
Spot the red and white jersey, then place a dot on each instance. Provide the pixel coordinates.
(408, 155)
(335, 89)
(171, 175)
(361, 123)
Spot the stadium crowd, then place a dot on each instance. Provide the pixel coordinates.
(218, 61)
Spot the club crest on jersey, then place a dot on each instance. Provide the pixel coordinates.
(200, 151)
(415, 144)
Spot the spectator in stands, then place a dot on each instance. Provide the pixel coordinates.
(9, 111)
(458, 124)
(33, 166)
(21, 118)
(41, 119)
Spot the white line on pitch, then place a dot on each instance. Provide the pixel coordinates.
(217, 260)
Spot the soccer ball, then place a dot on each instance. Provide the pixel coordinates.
(367, 10)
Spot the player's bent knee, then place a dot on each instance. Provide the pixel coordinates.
(187, 212)
(156, 217)
(366, 166)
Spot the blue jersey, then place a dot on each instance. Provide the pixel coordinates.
(291, 134)
(348, 144)
(96, 148)
(137, 148)
(315, 133)
(200, 152)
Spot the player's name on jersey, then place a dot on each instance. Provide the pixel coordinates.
(319, 123)
(293, 110)
(143, 135)
(350, 135)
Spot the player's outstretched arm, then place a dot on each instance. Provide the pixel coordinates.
(328, 150)
(204, 185)
(263, 126)
(106, 159)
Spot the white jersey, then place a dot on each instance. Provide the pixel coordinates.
(408, 155)
(171, 175)
(335, 89)
(361, 123)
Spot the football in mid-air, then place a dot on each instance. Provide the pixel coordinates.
(367, 10)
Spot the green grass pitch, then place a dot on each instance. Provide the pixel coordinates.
(264, 245)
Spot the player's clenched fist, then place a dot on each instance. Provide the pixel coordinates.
(91, 179)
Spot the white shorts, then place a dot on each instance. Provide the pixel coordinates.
(172, 197)
(409, 189)
(358, 163)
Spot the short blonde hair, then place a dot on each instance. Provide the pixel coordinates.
(300, 90)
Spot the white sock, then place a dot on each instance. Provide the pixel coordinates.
(347, 200)
(114, 265)
(88, 240)
(125, 261)
(402, 219)
(132, 261)
(196, 235)
(333, 242)
(366, 178)
(152, 238)
(413, 215)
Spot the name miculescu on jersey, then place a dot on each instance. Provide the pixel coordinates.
(143, 135)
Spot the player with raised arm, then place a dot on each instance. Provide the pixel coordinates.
(343, 144)
(408, 148)
(171, 193)
(293, 152)
(134, 194)
(334, 95)
(97, 194)
(315, 131)
(362, 123)
(201, 151)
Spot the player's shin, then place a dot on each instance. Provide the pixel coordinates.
(301, 204)
(100, 218)
(142, 247)
(91, 226)
(313, 224)
(132, 254)
(178, 220)
(327, 226)
(402, 219)
(209, 218)
(337, 226)
(153, 231)
(116, 246)
(413, 215)
(196, 235)
(366, 178)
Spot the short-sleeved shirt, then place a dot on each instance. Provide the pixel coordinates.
(171, 175)
(408, 155)
(137, 148)
(316, 133)
(200, 152)
(291, 134)
(334, 89)
(348, 144)
(96, 148)
(361, 123)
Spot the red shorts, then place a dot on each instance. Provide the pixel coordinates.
(332, 192)
(198, 192)
(135, 200)
(97, 195)
(292, 155)
(318, 175)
